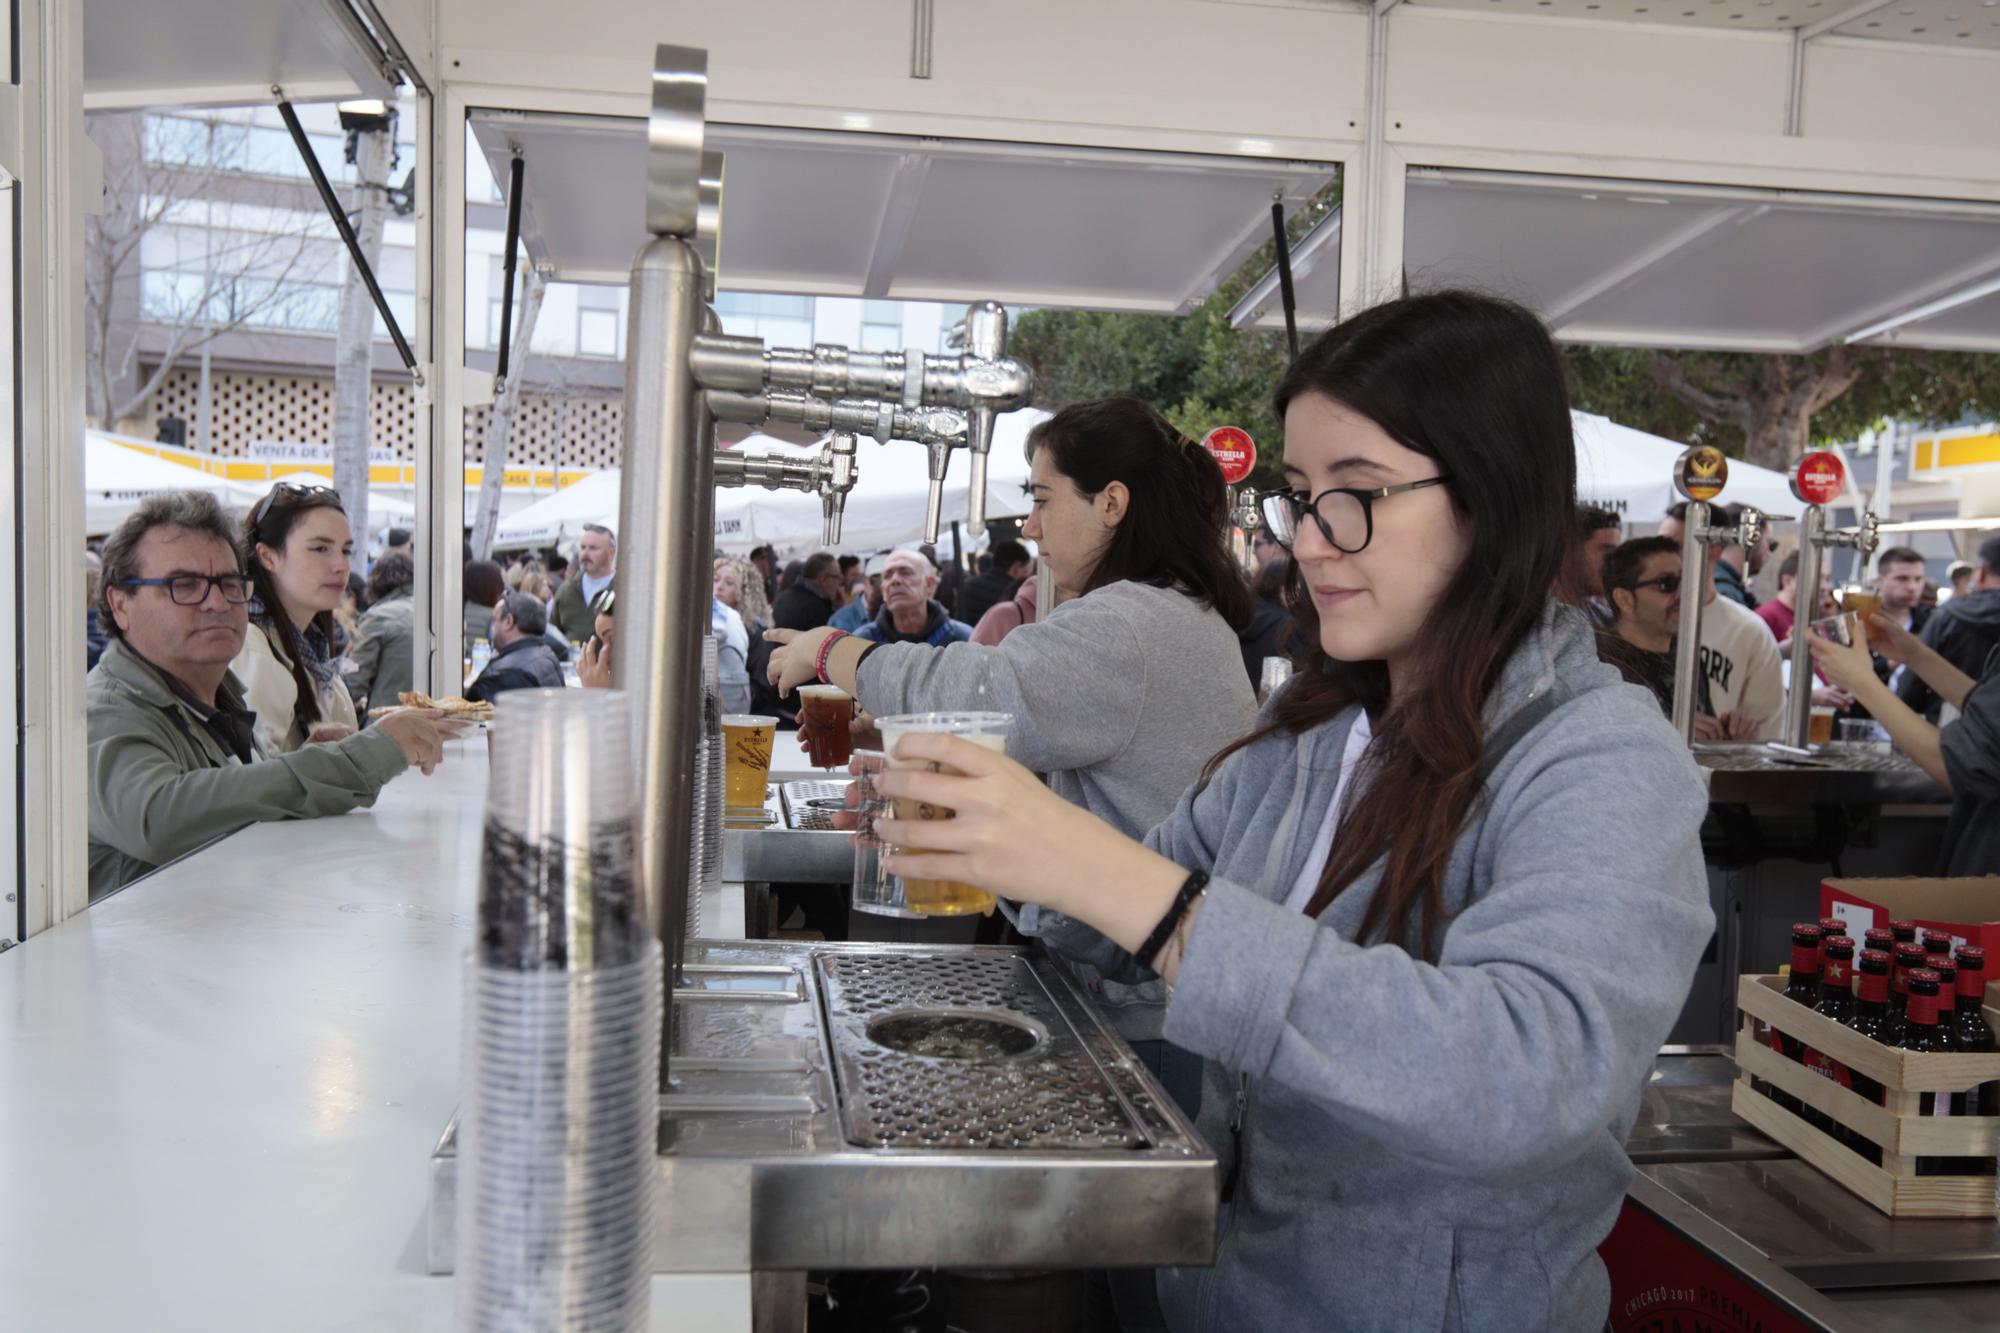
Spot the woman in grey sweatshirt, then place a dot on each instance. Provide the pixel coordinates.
(1133, 517)
(1431, 921)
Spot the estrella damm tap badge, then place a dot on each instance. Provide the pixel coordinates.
(1819, 478)
(1701, 472)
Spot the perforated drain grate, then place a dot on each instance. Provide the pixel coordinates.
(984, 1089)
(811, 805)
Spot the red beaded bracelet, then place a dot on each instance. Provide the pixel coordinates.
(819, 666)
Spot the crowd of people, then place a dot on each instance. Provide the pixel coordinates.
(1396, 873)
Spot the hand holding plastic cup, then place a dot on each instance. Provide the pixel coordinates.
(942, 897)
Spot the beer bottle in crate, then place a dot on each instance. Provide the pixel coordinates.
(1870, 1018)
(1904, 931)
(1973, 1032)
(1947, 1013)
(1802, 986)
(1937, 949)
(1909, 957)
(1920, 1033)
(1829, 928)
(1835, 1001)
(1879, 937)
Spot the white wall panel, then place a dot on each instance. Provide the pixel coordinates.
(1597, 74)
(1138, 72)
(1883, 92)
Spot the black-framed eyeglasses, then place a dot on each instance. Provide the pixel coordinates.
(1346, 517)
(193, 589)
(290, 491)
(1668, 584)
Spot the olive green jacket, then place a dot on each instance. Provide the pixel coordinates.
(161, 785)
(383, 653)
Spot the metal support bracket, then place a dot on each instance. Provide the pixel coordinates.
(338, 213)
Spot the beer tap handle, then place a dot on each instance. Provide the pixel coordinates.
(934, 505)
(1752, 529)
(840, 475)
(1871, 536)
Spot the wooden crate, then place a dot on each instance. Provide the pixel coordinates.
(1896, 1127)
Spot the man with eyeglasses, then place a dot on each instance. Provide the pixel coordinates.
(1642, 586)
(173, 757)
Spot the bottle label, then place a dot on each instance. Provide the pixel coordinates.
(1828, 1068)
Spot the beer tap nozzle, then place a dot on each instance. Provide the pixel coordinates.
(838, 459)
(940, 451)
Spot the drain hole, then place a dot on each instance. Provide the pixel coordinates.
(954, 1036)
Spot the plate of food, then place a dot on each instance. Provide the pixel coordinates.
(452, 709)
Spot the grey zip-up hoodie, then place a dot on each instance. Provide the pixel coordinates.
(1119, 698)
(1438, 1146)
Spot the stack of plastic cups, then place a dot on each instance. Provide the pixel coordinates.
(559, 1122)
(705, 848)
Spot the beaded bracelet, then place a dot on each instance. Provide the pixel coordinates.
(819, 666)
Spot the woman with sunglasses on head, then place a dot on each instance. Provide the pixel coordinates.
(1132, 517)
(296, 548)
(1431, 920)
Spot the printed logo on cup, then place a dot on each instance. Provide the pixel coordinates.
(1233, 450)
(1819, 478)
(1701, 472)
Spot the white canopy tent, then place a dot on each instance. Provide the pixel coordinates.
(116, 478)
(384, 510)
(561, 516)
(1631, 473)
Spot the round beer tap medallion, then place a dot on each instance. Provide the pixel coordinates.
(1701, 472)
(1233, 450)
(1819, 478)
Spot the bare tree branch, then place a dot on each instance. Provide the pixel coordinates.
(1671, 376)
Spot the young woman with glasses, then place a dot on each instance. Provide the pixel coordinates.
(296, 549)
(1401, 918)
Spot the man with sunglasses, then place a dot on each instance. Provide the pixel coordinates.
(1642, 584)
(173, 757)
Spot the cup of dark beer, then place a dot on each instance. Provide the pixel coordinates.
(825, 712)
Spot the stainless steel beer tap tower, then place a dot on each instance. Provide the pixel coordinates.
(1699, 475)
(943, 402)
(811, 1117)
(1818, 479)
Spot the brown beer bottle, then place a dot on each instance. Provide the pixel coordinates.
(1974, 1034)
(1870, 1018)
(1920, 1033)
(1904, 931)
(1829, 927)
(1880, 938)
(1937, 948)
(1909, 957)
(1801, 986)
(1836, 1001)
(1947, 1007)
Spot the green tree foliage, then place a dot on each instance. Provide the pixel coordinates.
(1770, 409)
(1195, 368)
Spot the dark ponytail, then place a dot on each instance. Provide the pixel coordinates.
(270, 524)
(1176, 532)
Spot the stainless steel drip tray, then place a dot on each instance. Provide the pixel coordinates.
(796, 842)
(917, 1106)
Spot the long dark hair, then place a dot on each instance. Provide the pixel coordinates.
(270, 524)
(1477, 384)
(1176, 533)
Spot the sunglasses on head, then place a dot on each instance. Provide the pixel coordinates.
(286, 490)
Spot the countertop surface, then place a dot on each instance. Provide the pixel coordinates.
(1743, 773)
(223, 1084)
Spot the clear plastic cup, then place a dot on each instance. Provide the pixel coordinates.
(875, 890)
(941, 897)
(559, 887)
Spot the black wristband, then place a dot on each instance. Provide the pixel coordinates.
(1196, 881)
(872, 646)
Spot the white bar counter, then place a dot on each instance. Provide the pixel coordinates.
(220, 1087)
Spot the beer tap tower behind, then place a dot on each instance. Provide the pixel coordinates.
(1699, 475)
(1818, 480)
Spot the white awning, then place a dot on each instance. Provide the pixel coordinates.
(1646, 264)
(820, 213)
(140, 53)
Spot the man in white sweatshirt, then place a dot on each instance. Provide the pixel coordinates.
(1745, 675)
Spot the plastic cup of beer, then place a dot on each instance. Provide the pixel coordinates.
(825, 712)
(1861, 604)
(941, 897)
(746, 749)
(1821, 730)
